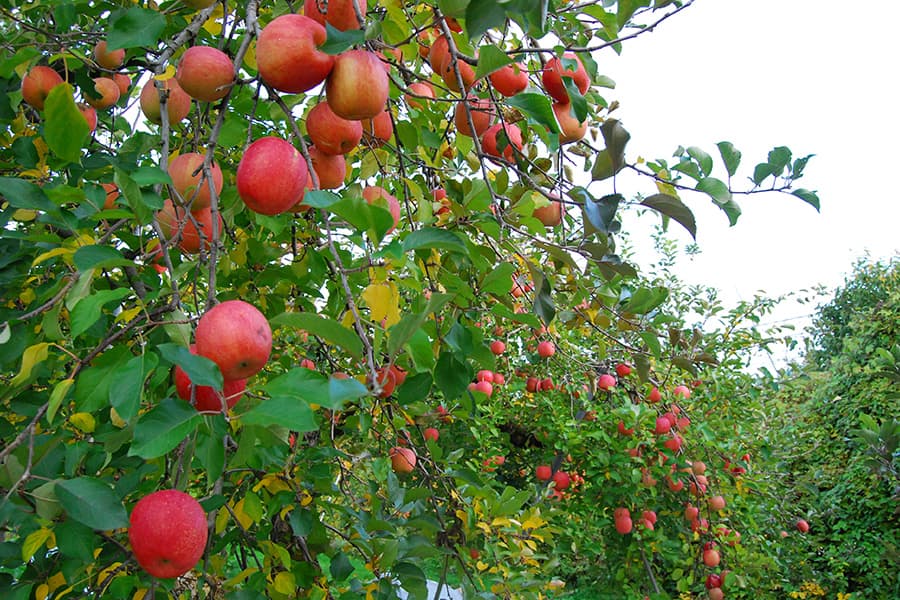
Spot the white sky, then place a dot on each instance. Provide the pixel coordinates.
(814, 75)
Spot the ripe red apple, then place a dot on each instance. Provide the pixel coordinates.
(606, 382)
(623, 430)
(123, 81)
(172, 219)
(624, 525)
(207, 398)
(509, 80)
(547, 384)
(550, 215)
(440, 49)
(675, 486)
(499, 379)
(572, 130)
(713, 581)
(716, 503)
(543, 472)
(498, 347)
(106, 93)
(546, 349)
(403, 460)
(112, 192)
(272, 176)
(287, 53)
(90, 115)
(654, 396)
(532, 384)
(387, 381)
(330, 169)
(711, 557)
(448, 73)
(698, 467)
(357, 87)
(340, 13)
(167, 531)
(418, 94)
(492, 140)
(673, 443)
(330, 133)
(662, 426)
(235, 336)
(623, 370)
(189, 179)
(484, 387)
(554, 71)
(561, 479)
(691, 512)
(802, 525)
(485, 375)
(378, 196)
(649, 515)
(108, 59)
(681, 390)
(205, 73)
(37, 83)
(178, 103)
(379, 129)
(482, 112)
(715, 594)
(431, 434)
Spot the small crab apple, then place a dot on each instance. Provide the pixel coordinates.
(561, 479)
(681, 390)
(431, 434)
(498, 347)
(606, 382)
(654, 396)
(546, 349)
(543, 472)
(623, 370)
(802, 525)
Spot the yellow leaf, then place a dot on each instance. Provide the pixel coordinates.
(250, 57)
(500, 522)
(27, 296)
(50, 254)
(285, 583)
(23, 215)
(213, 23)
(383, 300)
(56, 581)
(42, 592)
(102, 575)
(116, 420)
(481, 566)
(169, 73)
(221, 520)
(83, 421)
(533, 522)
(305, 498)
(139, 594)
(243, 518)
(33, 542)
(127, 315)
(240, 576)
(32, 356)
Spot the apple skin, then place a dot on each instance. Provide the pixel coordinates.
(546, 349)
(543, 473)
(439, 50)
(802, 525)
(123, 81)
(167, 531)
(715, 594)
(431, 434)
(171, 217)
(561, 479)
(490, 144)
(403, 460)
(550, 215)
(330, 169)
(572, 130)
(418, 94)
(624, 525)
(623, 370)
(553, 73)
(606, 382)
(108, 59)
(107, 91)
(498, 347)
(357, 87)
(716, 503)
(681, 390)
(37, 83)
(194, 189)
(654, 396)
(235, 336)
(330, 133)
(287, 54)
(711, 558)
(341, 14)
(206, 398)
(482, 114)
(205, 73)
(378, 130)
(272, 176)
(178, 102)
(374, 194)
(509, 80)
(448, 73)
(90, 115)
(112, 192)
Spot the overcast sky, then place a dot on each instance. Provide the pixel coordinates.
(818, 76)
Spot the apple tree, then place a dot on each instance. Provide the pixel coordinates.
(343, 274)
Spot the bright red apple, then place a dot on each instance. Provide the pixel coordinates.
(509, 80)
(167, 531)
(330, 133)
(802, 525)
(448, 69)
(105, 93)
(403, 460)
(554, 71)
(272, 176)
(288, 55)
(37, 83)
(235, 336)
(482, 113)
(498, 347)
(606, 382)
(379, 129)
(572, 130)
(124, 82)
(418, 94)
(90, 115)
(339, 13)
(546, 349)
(623, 370)
(716, 503)
(178, 103)
(543, 472)
(189, 179)
(207, 398)
(550, 215)
(654, 396)
(172, 219)
(357, 87)
(492, 141)
(431, 434)
(205, 73)
(561, 479)
(330, 169)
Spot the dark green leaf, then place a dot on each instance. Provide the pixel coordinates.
(644, 300)
(292, 413)
(65, 128)
(616, 138)
(135, 27)
(323, 327)
(126, 388)
(415, 389)
(433, 237)
(673, 208)
(536, 106)
(543, 300)
(807, 196)
(88, 310)
(310, 387)
(92, 502)
(90, 257)
(460, 339)
(601, 213)
(452, 375)
(200, 369)
(721, 195)
(799, 165)
(320, 198)
(761, 172)
(731, 156)
(24, 194)
(490, 58)
(498, 281)
(338, 41)
(133, 195)
(779, 159)
(210, 448)
(358, 213)
(163, 428)
(576, 99)
(482, 15)
(340, 567)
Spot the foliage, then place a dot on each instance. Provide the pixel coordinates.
(100, 297)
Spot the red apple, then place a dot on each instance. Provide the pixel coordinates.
(207, 398)
(681, 390)
(189, 179)
(716, 503)
(623, 370)
(546, 349)
(698, 467)
(673, 443)
(112, 192)
(624, 525)
(482, 112)
(561, 479)
(178, 103)
(448, 73)
(387, 381)
(543, 473)
(509, 80)
(205, 73)
(440, 49)
(713, 581)
(546, 384)
(90, 115)
(173, 219)
(431, 434)
(623, 430)
(691, 512)
(606, 382)
(272, 176)
(418, 94)
(662, 426)
(235, 336)
(379, 129)
(485, 375)
(492, 140)
(287, 54)
(484, 387)
(403, 460)
(554, 71)
(37, 83)
(167, 531)
(330, 133)
(378, 196)
(654, 396)
(550, 215)
(498, 347)
(357, 87)
(330, 169)
(711, 558)
(108, 59)
(802, 525)
(572, 130)
(340, 13)
(106, 93)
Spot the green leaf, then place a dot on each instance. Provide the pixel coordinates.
(199, 369)
(576, 99)
(536, 106)
(779, 159)
(132, 193)
(323, 327)
(338, 41)
(289, 412)
(164, 427)
(673, 208)
(731, 156)
(600, 213)
(616, 138)
(363, 217)
(404, 330)
(482, 15)
(807, 196)
(703, 159)
(88, 310)
(340, 568)
(721, 195)
(498, 281)
(452, 375)
(92, 502)
(761, 172)
(490, 58)
(134, 27)
(89, 257)
(415, 389)
(320, 198)
(311, 387)
(433, 237)
(65, 128)
(210, 448)
(543, 300)
(127, 387)
(24, 194)
(644, 300)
